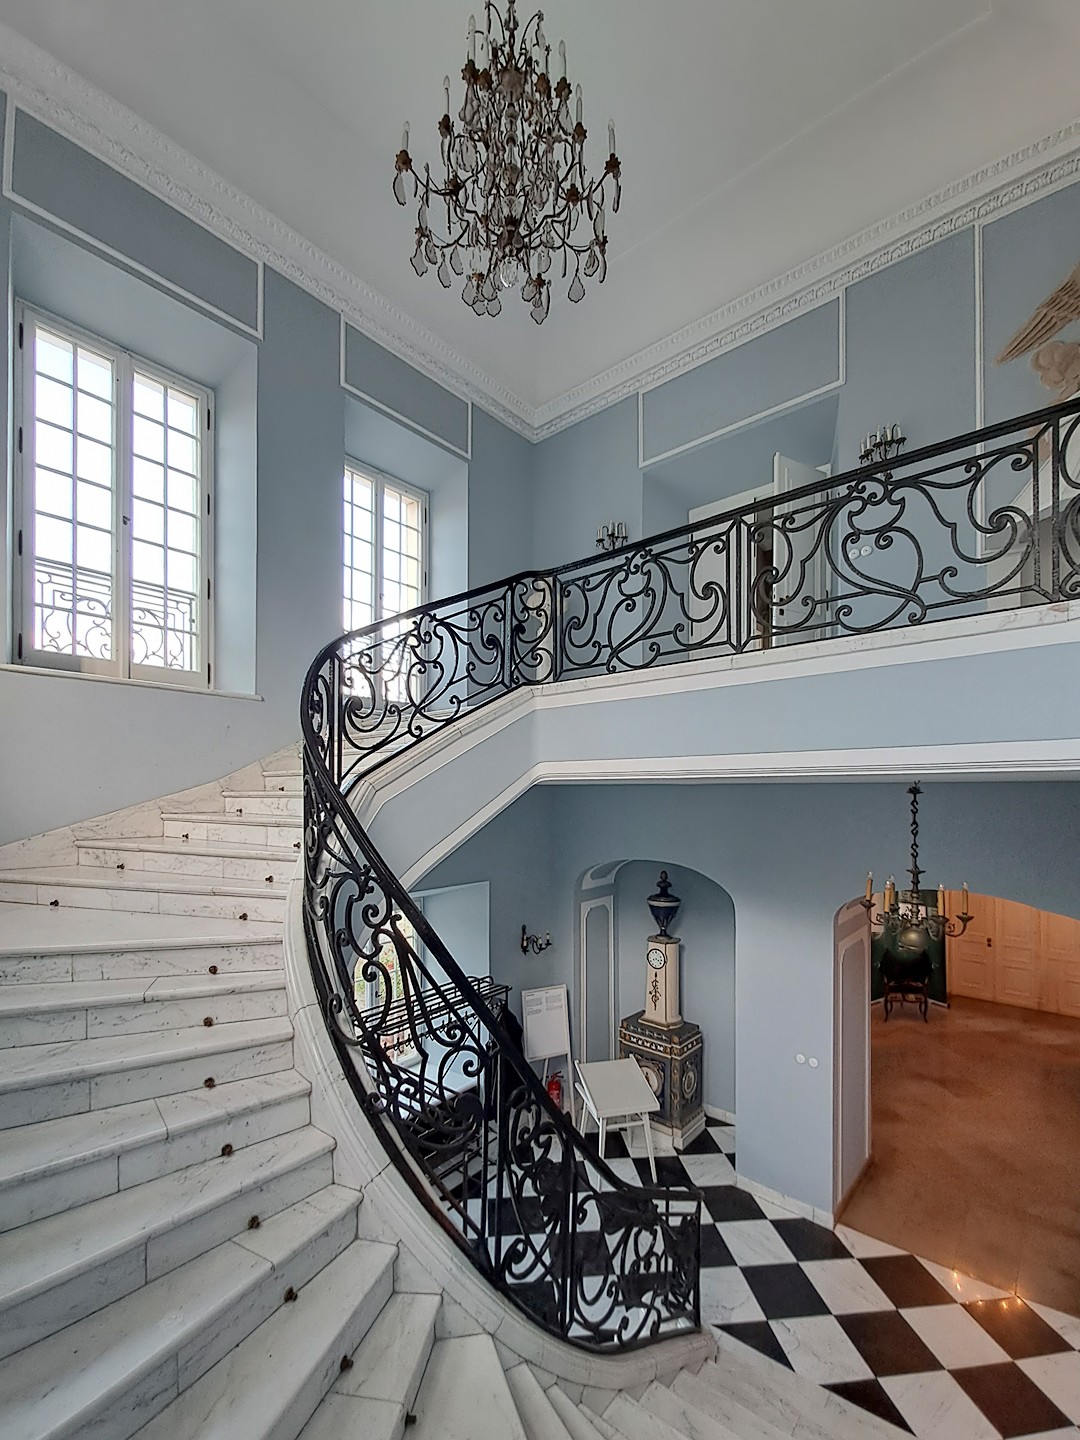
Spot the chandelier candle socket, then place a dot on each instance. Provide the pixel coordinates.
(908, 922)
(514, 199)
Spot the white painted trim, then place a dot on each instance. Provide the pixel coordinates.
(56, 95)
(980, 319)
(852, 926)
(602, 902)
(785, 1202)
(56, 222)
(124, 680)
(397, 415)
(778, 409)
(714, 1113)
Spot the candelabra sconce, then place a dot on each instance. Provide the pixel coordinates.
(533, 942)
(882, 445)
(611, 537)
(908, 922)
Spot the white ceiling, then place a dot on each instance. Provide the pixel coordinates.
(753, 133)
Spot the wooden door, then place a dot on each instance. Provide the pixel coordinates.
(1059, 953)
(971, 955)
(1016, 967)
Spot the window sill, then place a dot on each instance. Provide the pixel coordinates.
(124, 680)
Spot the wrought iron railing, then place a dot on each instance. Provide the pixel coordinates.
(988, 521)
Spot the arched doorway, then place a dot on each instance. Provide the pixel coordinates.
(975, 1112)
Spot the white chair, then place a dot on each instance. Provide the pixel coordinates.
(618, 1097)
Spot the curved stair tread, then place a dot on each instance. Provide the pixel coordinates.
(465, 1395)
(85, 994)
(682, 1415)
(90, 877)
(111, 1372)
(271, 1383)
(537, 1414)
(579, 1426)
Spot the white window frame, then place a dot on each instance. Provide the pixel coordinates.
(125, 363)
(380, 480)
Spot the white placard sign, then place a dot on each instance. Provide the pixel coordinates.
(546, 1017)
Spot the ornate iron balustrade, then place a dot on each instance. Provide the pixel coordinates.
(990, 520)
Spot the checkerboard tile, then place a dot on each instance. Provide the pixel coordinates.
(937, 1354)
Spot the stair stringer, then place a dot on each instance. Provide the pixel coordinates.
(428, 1259)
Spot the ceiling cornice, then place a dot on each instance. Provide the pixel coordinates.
(57, 95)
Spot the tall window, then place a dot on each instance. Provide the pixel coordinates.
(384, 534)
(114, 501)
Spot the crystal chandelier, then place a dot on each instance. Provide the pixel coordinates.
(513, 198)
(909, 923)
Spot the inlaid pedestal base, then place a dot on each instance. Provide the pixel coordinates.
(671, 1059)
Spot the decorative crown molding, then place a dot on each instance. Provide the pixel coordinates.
(52, 92)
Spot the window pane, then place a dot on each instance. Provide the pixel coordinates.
(183, 492)
(148, 439)
(358, 586)
(95, 505)
(53, 401)
(148, 480)
(149, 398)
(148, 563)
(95, 375)
(94, 418)
(53, 356)
(53, 447)
(52, 539)
(52, 494)
(95, 461)
(93, 549)
(148, 522)
(183, 412)
(183, 531)
(183, 452)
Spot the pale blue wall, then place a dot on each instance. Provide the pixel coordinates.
(282, 423)
(788, 855)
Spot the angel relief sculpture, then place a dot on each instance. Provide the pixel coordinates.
(1056, 362)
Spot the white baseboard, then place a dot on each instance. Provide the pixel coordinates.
(727, 1116)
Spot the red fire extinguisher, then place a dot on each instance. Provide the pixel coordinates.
(554, 1089)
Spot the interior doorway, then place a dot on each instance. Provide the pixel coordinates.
(975, 1113)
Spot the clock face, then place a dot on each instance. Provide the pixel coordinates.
(656, 958)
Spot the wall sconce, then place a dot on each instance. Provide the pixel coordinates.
(533, 942)
(611, 537)
(881, 445)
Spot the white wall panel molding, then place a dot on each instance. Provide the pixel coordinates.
(53, 93)
(986, 193)
(56, 95)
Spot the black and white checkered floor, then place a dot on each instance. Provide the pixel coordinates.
(938, 1354)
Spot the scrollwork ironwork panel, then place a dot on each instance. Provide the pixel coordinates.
(988, 521)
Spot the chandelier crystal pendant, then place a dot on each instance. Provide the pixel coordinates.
(909, 923)
(513, 199)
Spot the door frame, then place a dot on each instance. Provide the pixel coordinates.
(607, 903)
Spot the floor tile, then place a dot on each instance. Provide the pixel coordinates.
(754, 1242)
(728, 1202)
(845, 1286)
(808, 1241)
(906, 1281)
(865, 1247)
(820, 1351)
(1016, 1327)
(936, 1408)
(669, 1171)
(888, 1344)
(783, 1291)
(1059, 1377)
(703, 1144)
(955, 1338)
(871, 1395)
(726, 1298)
(724, 1135)
(715, 1169)
(713, 1250)
(759, 1335)
(1010, 1400)
(1067, 1326)
(963, 1287)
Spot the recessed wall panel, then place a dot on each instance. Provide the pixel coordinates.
(58, 178)
(794, 360)
(394, 384)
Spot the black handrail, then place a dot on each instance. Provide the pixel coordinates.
(985, 521)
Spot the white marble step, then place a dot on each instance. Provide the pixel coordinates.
(43, 1082)
(215, 826)
(107, 1375)
(465, 1395)
(149, 960)
(631, 1421)
(86, 1009)
(604, 1428)
(56, 1271)
(58, 1164)
(269, 1386)
(579, 1425)
(81, 887)
(536, 1412)
(221, 861)
(785, 1399)
(723, 1420)
(260, 803)
(372, 1397)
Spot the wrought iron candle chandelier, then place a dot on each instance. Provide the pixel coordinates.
(513, 199)
(909, 922)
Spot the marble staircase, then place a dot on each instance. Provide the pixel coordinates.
(178, 1258)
